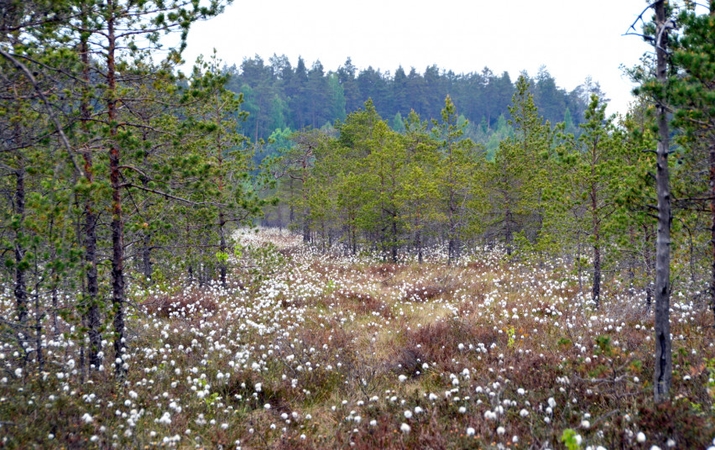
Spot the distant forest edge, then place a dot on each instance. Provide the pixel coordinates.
(281, 98)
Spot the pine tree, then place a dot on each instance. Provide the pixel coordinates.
(421, 198)
(597, 174)
(655, 87)
(518, 172)
(118, 24)
(692, 94)
(454, 175)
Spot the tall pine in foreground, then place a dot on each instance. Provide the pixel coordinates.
(113, 26)
(655, 87)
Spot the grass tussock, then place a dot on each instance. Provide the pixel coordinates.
(187, 304)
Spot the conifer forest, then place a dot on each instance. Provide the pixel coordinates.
(279, 255)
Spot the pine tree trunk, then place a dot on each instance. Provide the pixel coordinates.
(117, 225)
(306, 226)
(454, 249)
(55, 306)
(662, 377)
(631, 262)
(712, 227)
(354, 239)
(394, 238)
(189, 255)
(578, 260)
(93, 319)
(222, 248)
(147, 267)
(509, 234)
(450, 216)
(291, 211)
(92, 315)
(596, 289)
(38, 334)
(418, 244)
(20, 289)
(649, 266)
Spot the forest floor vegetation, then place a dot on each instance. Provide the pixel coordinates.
(312, 349)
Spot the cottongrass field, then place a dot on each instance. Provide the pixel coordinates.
(312, 350)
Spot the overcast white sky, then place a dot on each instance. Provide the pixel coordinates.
(572, 38)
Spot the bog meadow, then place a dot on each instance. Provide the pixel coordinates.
(270, 256)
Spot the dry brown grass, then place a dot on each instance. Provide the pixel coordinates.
(362, 303)
(187, 304)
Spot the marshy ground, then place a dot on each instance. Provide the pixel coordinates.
(317, 350)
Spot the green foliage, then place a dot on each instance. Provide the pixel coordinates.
(604, 345)
(570, 439)
(511, 335)
(222, 257)
(260, 262)
(279, 94)
(129, 169)
(519, 172)
(454, 174)
(710, 385)
(395, 190)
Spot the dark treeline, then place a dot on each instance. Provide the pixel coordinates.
(278, 95)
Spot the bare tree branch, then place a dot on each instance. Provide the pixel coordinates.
(167, 195)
